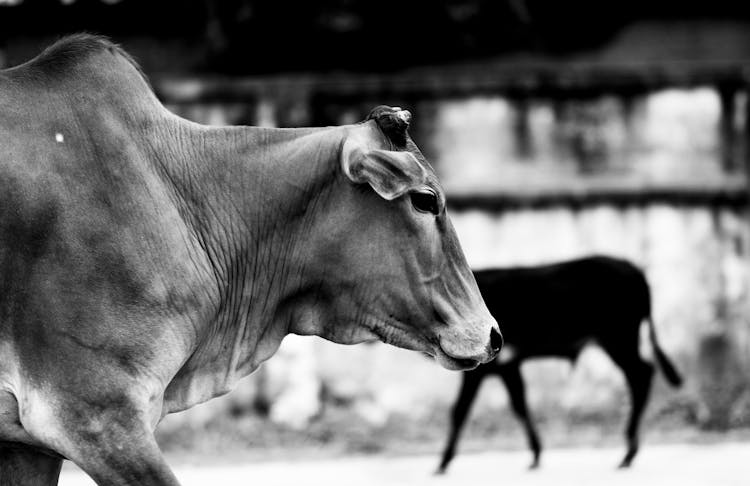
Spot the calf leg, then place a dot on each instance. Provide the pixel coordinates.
(511, 376)
(639, 380)
(28, 467)
(469, 388)
(638, 374)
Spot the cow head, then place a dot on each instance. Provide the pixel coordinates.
(393, 263)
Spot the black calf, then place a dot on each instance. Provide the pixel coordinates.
(555, 310)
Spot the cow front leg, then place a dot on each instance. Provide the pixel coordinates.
(126, 459)
(28, 467)
(125, 454)
(110, 438)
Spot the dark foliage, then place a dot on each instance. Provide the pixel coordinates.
(257, 36)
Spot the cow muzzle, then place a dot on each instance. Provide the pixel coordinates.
(465, 350)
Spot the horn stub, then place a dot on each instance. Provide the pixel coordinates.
(393, 122)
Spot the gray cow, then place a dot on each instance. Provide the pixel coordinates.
(148, 263)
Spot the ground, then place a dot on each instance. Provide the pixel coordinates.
(718, 464)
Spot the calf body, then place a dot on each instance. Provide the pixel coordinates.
(554, 311)
(148, 263)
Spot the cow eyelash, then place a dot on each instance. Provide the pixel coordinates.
(425, 201)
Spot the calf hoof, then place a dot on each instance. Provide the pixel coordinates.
(440, 471)
(628, 459)
(534, 464)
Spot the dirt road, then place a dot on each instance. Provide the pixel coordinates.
(725, 464)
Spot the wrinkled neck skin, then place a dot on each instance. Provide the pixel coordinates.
(250, 197)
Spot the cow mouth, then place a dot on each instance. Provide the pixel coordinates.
(454, 363)
(391, 333)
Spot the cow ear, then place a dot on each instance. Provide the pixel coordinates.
(390, 173)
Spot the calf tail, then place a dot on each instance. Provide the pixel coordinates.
(666, 366)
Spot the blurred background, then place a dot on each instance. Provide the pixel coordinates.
(559, 129)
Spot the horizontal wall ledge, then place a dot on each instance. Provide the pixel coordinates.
(736, 197)
(551, 79)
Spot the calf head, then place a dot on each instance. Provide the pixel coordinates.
(393, 265)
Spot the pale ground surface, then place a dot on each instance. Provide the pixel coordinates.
(726, 464)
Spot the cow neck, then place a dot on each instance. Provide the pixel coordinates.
(249, 195)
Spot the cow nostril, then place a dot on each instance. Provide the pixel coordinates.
(496, 340)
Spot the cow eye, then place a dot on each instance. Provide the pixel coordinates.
(425, 201)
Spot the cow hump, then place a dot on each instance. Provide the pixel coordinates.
(74, 50)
